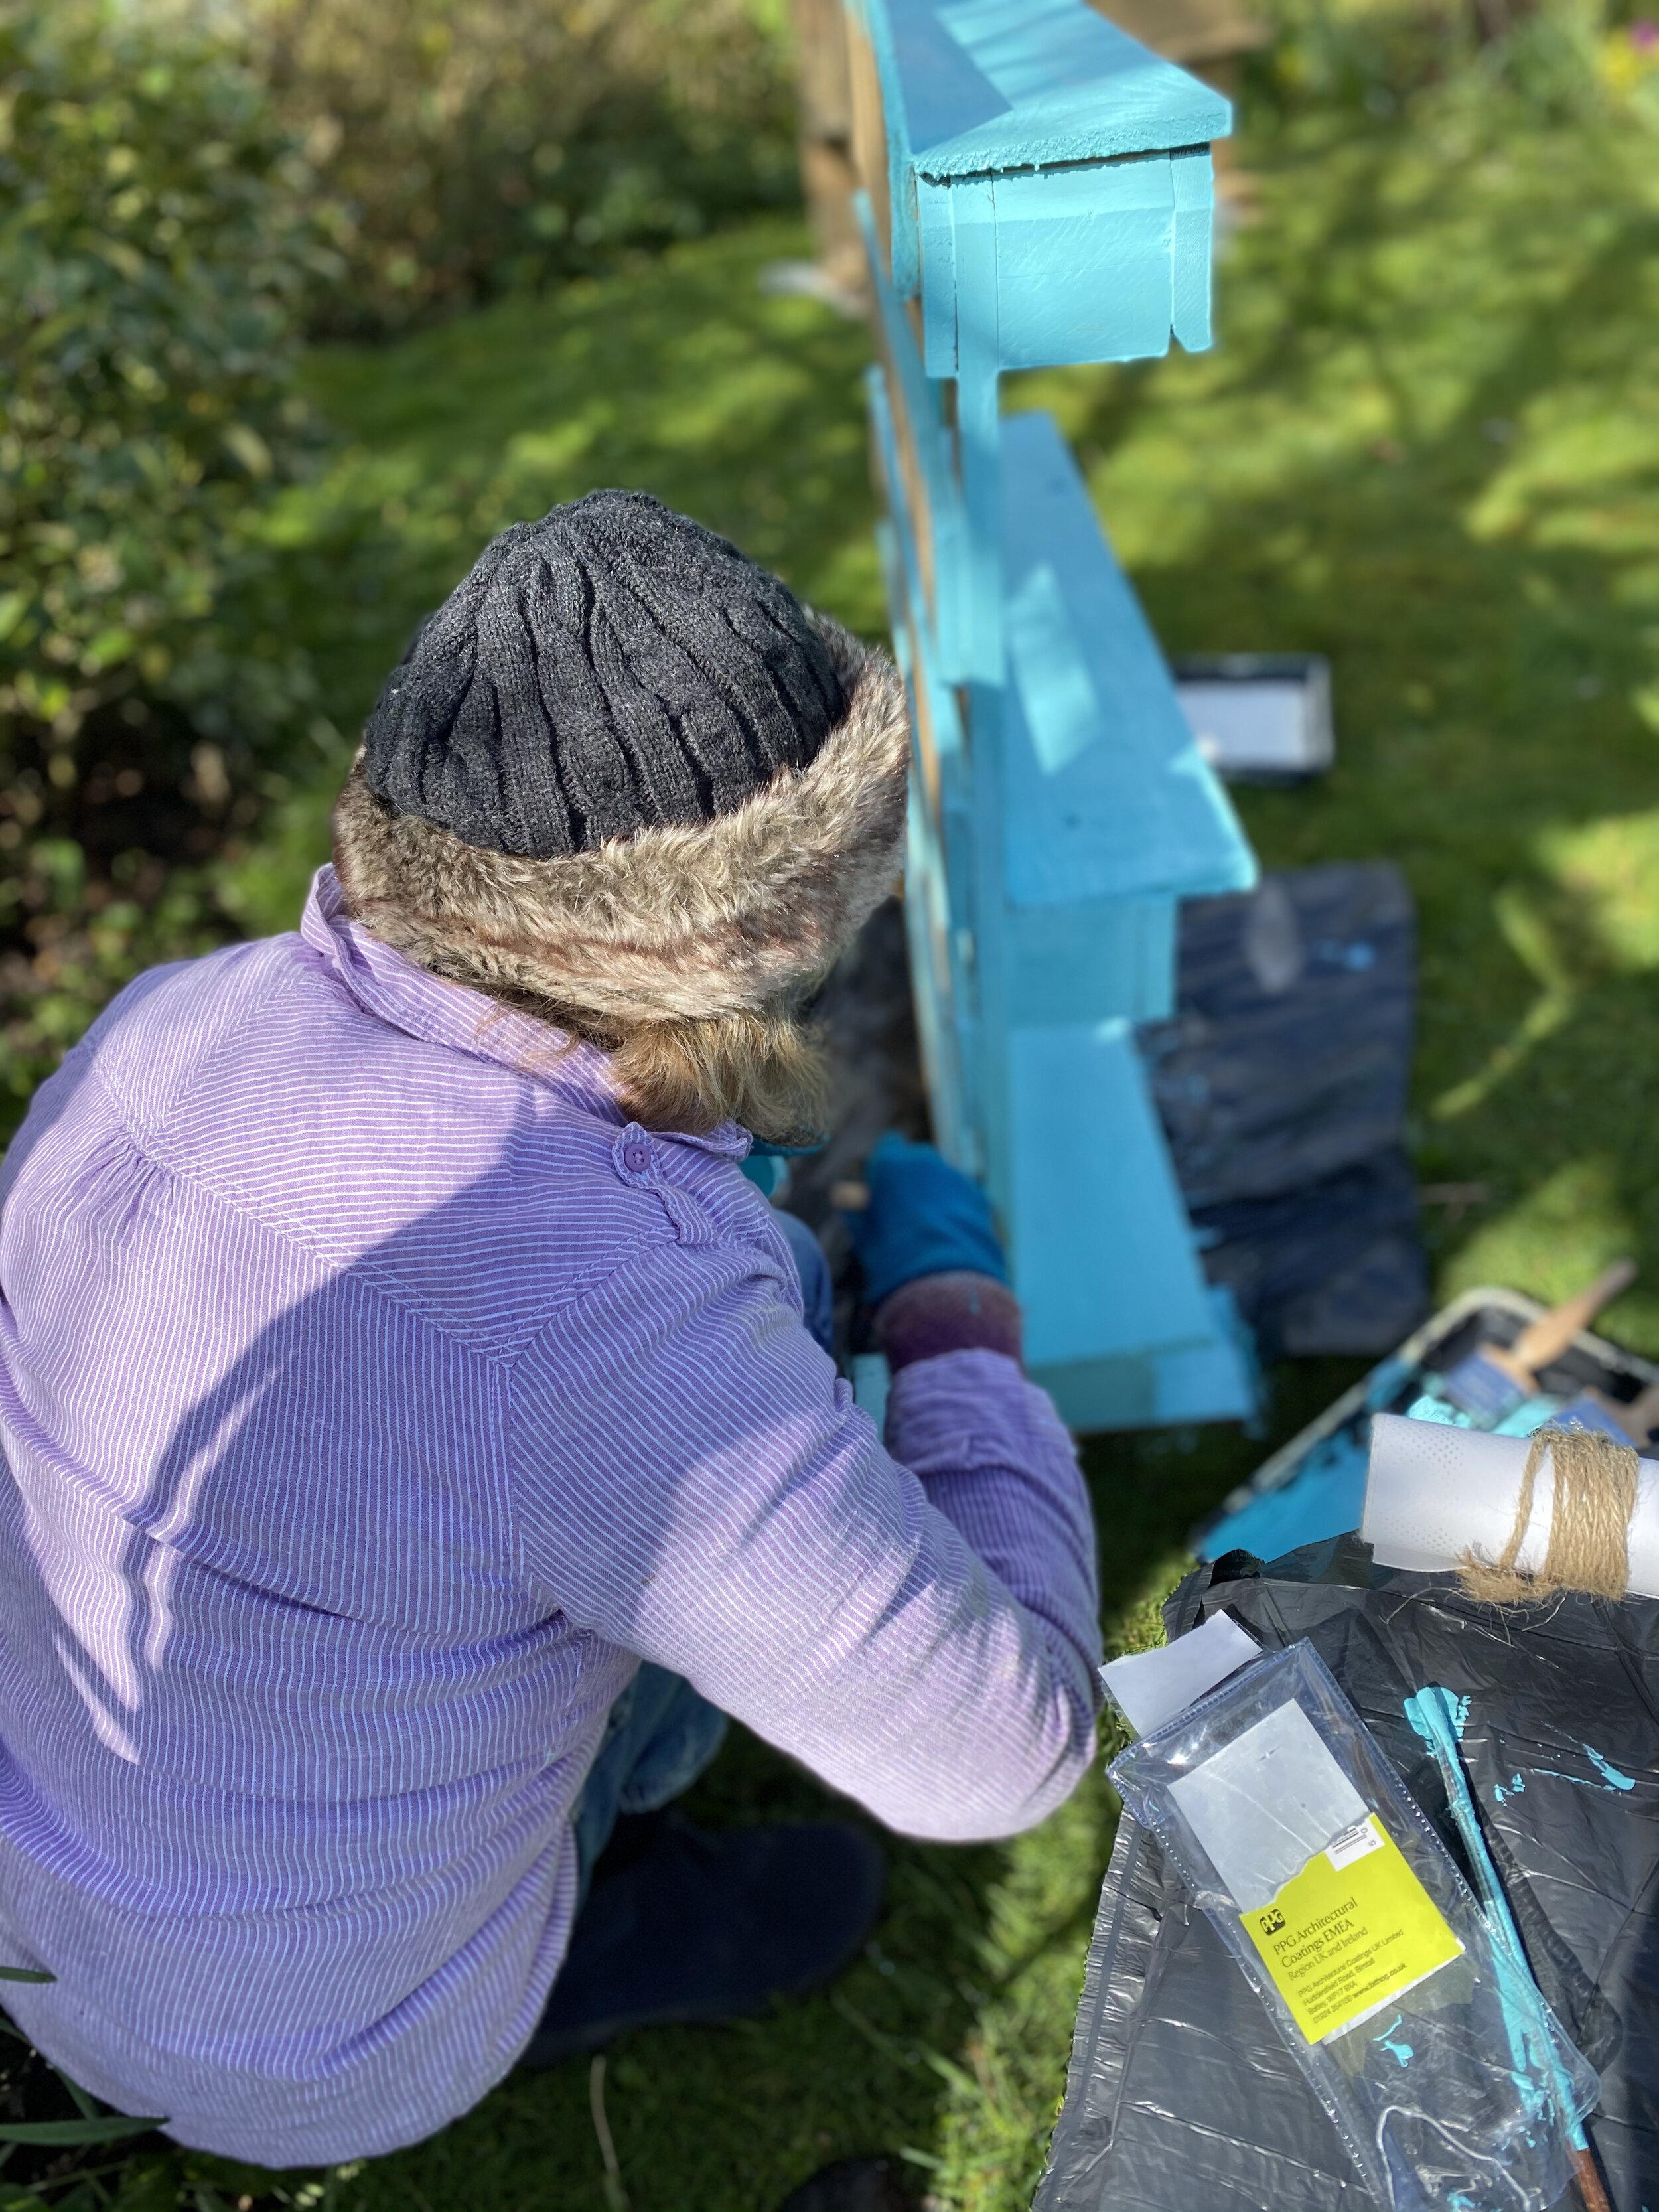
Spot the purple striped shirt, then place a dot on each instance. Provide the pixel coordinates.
(372, 1399)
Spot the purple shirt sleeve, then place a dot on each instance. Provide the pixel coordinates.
(995, 1459)
(706, 1494)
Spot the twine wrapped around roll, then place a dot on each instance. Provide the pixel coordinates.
(1519, 1518)
(1595, 1485)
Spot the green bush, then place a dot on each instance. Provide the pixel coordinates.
(486, 144)
(1551, 60)
(157, 244)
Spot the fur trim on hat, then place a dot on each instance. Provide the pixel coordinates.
(689, 922)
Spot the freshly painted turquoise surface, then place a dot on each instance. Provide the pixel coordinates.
(1087, 1142)
(992, 87)
(1093, 264)
(1050, 197)
(1105, 793)
(1015, 84)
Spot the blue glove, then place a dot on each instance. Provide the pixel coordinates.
(925, 1217)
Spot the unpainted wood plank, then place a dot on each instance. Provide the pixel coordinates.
(919, 482)
(942, 991)
(1189, 31)
(870, 154)
(821, 74)
(936, 708)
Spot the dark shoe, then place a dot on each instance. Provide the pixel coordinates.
(702, 1926)
(852, 2184)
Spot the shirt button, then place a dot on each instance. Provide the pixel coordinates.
(636, 1159)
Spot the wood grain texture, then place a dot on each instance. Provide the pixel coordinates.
(872, 158)
(1189, 31)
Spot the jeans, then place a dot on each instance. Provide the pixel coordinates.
(661, 1735)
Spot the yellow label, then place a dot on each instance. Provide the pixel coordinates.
(1351, 1930)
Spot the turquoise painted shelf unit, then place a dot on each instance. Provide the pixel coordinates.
(1038, 191)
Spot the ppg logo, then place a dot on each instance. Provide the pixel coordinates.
(1272, 1922)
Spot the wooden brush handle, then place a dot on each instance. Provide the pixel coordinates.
(1548, 1337)
(1585, 2174)
(1635, 1416)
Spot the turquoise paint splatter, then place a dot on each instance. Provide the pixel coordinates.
(1516, 1787)
(1615, 1780)
(1402, 2052)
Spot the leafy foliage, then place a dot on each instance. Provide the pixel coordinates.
(170, 221)
(487, 144)
(1540, 59)
(156, 243)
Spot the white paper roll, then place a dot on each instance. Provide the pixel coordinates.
(1434, 1492)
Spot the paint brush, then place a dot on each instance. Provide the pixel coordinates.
(1437, 1717)
(1628, 1421)
(1494, 1378)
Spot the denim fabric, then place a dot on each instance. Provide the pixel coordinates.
(661, 1737)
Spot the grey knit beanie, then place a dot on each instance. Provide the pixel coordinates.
(623, 773)
(613, 668)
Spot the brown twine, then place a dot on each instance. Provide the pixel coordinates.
(1589, 1522)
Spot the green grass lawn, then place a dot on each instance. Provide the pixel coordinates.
(1428, 445)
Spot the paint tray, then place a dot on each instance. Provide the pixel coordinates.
(1259, 717)
(1315, 1486)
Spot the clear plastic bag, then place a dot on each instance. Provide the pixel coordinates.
(1449, 2081)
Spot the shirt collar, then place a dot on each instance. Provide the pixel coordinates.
(385, 983)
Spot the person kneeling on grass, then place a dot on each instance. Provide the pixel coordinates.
(414, 1445)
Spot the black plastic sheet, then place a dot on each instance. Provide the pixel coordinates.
(1289, 1054)
(1181, 2094)
(1281, 1083)
(1338, 1267)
